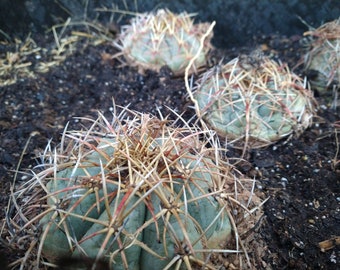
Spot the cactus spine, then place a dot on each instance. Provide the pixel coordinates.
(136, 193)
(154, 40)
(253, 101)
(322, 61)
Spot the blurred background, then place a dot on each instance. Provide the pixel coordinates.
(237, 21)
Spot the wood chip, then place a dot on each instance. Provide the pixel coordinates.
(329, 244)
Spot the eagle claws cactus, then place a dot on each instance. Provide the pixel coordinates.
(135, 194)
(154, 40)
(322, 61)
(253, 101)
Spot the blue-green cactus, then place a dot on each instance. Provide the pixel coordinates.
(253, 104)
(139, 194)
(322, 60)
(154, 40)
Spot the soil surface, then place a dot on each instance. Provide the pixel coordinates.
(301, 176)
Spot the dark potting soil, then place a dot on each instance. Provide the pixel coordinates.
(300, 176)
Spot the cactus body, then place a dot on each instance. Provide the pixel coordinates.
(95, 246)
(322, 61)
(138, 194)
(188, 223)
(154, 40)
(73, 194)
(253, 104)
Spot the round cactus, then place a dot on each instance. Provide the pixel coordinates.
(253, 101)
(322, 61)
(154, 40)
(136, 194)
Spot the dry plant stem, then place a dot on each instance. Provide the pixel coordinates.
(13, 187)
(336, 159)
(14, 64)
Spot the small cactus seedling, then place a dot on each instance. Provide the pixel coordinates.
(322, 61)
(136, 193)
(252, 101)
(154, 40)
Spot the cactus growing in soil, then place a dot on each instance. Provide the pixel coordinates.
(153, 40)
(136, 193)
(322, 61)
(253, 101)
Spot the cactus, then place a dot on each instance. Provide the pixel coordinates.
(154, 40)
(253, 101)
(137, 194)
(322, 61)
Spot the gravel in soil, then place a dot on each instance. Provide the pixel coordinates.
(300, 176)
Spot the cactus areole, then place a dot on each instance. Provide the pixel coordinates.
(140, 200)
(153, 40)
(253, 102)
